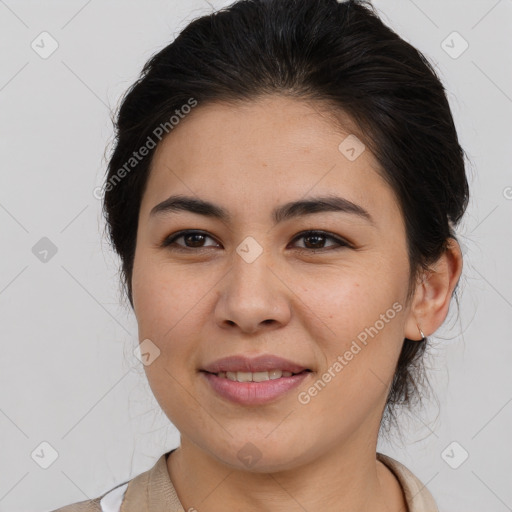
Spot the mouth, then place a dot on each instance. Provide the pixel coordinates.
(242, 376)
(254, 388)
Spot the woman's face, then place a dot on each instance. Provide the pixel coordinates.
(250, 284)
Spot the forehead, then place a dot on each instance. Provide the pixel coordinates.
(265, 152)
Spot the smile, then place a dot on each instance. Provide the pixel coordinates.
(248, 388)
(255, 376)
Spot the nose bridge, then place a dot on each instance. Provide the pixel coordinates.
(252, 294)
(251, 268)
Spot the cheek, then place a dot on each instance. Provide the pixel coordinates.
(163, 297)
(359, 329)
(166, 305)
(359, 351)
(350, 301)
(171, 306)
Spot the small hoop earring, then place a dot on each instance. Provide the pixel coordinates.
(421, 332)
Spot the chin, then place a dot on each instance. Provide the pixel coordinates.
(259, 455)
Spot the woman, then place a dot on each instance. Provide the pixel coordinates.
(283, 195)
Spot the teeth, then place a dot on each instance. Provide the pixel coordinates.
(254, 377)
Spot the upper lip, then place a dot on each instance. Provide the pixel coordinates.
(262, 363)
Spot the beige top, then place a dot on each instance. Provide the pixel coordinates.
(152, 491)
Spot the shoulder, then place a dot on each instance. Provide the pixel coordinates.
(94, 505)
(416, 494)
(134, 491)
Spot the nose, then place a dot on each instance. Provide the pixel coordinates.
(252, 297)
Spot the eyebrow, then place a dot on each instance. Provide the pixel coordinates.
(179, 203)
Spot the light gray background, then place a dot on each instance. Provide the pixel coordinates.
(68, 376)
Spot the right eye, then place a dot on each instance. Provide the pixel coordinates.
(193, 237)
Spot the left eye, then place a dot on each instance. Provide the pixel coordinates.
(316, 238)
(196, 238)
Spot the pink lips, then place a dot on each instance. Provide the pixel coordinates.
(253, 393)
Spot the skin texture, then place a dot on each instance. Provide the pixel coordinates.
(292, 301)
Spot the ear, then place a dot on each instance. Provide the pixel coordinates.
(431, 300)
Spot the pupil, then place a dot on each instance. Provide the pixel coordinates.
(317, 237)
(189, 236)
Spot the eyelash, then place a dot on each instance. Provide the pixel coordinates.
(168, 241)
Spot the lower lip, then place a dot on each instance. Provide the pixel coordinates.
(254, 393)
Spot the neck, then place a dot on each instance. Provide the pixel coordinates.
(344, 478)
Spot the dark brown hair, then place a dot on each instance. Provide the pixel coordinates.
(339, 54)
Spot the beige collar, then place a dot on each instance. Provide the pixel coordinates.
(152, 491)
(417, 496)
